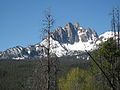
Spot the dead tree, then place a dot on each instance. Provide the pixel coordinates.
(116, 57)
(51, 62)
(112, 76)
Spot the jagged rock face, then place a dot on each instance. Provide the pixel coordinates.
(73, 33)
(76, 25)
(62, 40)
(66, 35)
(60, 35)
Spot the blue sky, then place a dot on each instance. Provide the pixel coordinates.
(20, 20)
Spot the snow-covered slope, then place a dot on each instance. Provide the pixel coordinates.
(62, 41)
(105, 36)
(55, 47)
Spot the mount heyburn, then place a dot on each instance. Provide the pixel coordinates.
(68, 40)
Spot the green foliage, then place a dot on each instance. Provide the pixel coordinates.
(107, 56)
(17, 75)
(77, 79)
(74, 74)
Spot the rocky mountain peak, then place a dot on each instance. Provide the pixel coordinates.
(77, 33)
(76, 25)
(62, 41)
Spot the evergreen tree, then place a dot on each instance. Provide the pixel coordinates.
(107, 56)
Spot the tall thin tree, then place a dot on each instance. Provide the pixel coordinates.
(48, 24)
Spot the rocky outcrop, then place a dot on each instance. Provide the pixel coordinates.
(73, 33)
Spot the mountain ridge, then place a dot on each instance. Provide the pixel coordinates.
(63, 40)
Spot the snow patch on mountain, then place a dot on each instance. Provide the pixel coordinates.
(105, 36)
(18, 58)
(55, 47)
(82, 46)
